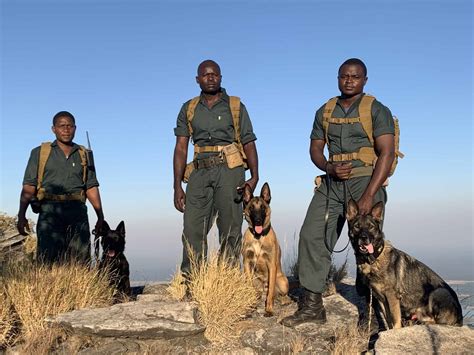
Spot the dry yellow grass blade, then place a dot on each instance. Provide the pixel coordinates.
(349, 339)
(177, 288)
(7, 319)
(37, 291)
(224, 295)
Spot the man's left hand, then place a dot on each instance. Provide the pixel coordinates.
(251, 182)
(99, 226)
(365, 204)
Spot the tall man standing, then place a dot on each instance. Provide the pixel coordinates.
(214, 185)
(338, 124)
(58, 180)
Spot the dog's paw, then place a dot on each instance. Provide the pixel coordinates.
(268, 314)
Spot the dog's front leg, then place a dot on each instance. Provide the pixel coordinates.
(395, 310)
(271, 288)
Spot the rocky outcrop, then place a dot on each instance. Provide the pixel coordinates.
(154, 323)
(143, 319)
(426, 339)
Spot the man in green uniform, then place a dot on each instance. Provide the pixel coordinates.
(346, 178)
(213, 187)
(67, 181)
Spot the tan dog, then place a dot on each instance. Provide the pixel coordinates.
(260, 250)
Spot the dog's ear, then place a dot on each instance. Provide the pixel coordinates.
(247, 194)
(121, 229)
(265, 193)
(377, 211)
(352, 210)
(104, 228)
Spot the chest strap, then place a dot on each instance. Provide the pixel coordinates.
(208, 149)
(364, 154)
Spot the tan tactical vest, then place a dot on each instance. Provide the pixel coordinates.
(41, 194)
(365, 154)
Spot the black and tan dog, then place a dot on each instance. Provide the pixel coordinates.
(260, 249)
(407, 291)
(113, 258)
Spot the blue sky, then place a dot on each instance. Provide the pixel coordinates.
(124, 68)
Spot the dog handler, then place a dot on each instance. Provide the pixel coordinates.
(59, 194)
(349, 177)
(214, 186)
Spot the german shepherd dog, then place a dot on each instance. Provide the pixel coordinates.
(260, 249)
(405, 289)
(113, 258)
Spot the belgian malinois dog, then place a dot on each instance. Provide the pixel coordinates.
(406, 290)
(260, 249)
(113, 258)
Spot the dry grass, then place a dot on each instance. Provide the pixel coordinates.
(297, 344)
(223, 294)
(177, 288)
(349, 339)
(37, 291)
(7, 319)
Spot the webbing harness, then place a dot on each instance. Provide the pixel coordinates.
(234, 105)
(41, 194)
(365, 154)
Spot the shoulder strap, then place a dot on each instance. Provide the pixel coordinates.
(327, 113)
(365, 114)
(234, 103)
(45, 150)
(190, 113)
(83, 155)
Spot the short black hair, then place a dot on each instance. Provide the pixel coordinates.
(208, 62)
(354, 61)
(63, 114)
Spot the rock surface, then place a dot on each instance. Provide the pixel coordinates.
(157, 324)
(427, 339)
(144, 319)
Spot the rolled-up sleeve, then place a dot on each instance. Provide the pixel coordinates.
(382, 120)
(181, 129)
(246, 130)
(31, 171)
(318, 132)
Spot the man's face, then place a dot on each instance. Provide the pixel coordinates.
(209, 78)
(351, 80)
(64, 129)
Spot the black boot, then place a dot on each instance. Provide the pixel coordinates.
(310, 309)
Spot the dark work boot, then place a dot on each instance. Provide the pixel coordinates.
(310, 310)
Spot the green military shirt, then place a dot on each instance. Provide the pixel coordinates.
(214, 126)
(349, 138)
(62, 175)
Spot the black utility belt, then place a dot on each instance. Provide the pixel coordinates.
(209, 162)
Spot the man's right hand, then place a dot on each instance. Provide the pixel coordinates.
(340, 171)
(23, 226)
(179, 199)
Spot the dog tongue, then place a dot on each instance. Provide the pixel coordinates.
(111, 253)
(370, 248)
(258, 229)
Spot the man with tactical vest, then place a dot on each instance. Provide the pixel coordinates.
(359, 133)
(223, 138)
(58, 179)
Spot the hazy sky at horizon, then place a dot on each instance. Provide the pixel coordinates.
(124, 68)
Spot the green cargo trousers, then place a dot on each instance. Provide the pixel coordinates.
(314, 258)
(63, 232)
(212, 192)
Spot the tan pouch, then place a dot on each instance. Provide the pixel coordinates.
(233, 156)
(187, 172)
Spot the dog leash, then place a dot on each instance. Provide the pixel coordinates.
(96, 245)
(326, 215)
